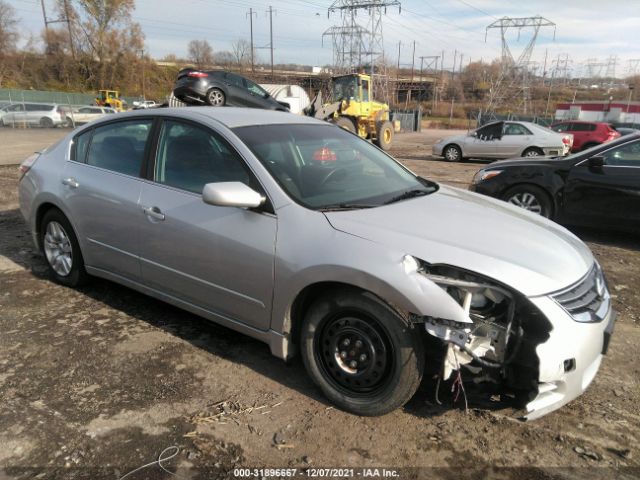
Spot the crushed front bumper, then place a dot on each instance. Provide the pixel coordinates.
(569, 359)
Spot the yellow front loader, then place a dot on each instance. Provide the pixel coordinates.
(110, 98)
(353, 109)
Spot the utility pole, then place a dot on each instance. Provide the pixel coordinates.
(399, 47)
(144, 96)
(58, 20)
(66, 14)
(455, 59)
(270, 11)
(251, 14)
(44, 15)
(413, 59)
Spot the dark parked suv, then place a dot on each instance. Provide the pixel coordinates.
(220, 88)
(586, 134)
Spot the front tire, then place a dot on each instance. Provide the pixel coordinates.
(452, 153)
(384, 135)
(61, 249)
(215, 97)
(360, 352)
(531, 198)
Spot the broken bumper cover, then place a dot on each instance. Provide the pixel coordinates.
(569, 359)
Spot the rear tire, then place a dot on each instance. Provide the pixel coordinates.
(384, 135)
(533, 152)
(46, 122)
(215, 97)
(360, 352)
(61, 250)
(531, 198)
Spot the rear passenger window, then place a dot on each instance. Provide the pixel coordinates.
(190, 157)
(119, 147)
(80, 144)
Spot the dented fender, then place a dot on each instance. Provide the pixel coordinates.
(358, 262)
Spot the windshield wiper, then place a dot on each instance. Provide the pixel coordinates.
(346, 206)
(408, 194)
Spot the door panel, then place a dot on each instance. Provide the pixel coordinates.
(484, 143)
(105, 210)
(514, 138)
(609, 195)
(102, 191)
(218, 258)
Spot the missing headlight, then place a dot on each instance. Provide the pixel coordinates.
(492, 337)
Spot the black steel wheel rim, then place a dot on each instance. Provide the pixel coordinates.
(355, 354)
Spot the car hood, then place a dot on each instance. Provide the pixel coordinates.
(454, 138)
(528, 162)
(454, 227)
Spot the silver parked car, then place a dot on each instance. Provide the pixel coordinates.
(504, 140)
(300, 234)
(89, 113)
(46, 115)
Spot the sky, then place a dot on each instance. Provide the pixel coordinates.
(586, 30)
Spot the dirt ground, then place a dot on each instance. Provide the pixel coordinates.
(99, 381)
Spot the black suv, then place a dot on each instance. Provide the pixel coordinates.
(218, 88)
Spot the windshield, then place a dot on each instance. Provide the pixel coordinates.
(326, 167)
(345, 87)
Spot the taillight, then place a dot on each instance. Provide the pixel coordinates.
(26, 165)
(197, 74)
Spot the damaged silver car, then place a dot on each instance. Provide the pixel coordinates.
(306, 237)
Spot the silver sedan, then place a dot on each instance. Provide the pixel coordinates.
(504, 140)
(302, 235)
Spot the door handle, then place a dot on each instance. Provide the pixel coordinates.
(153, 212)
(70, 182)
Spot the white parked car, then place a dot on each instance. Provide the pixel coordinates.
(505, 139)
(89, 113)
(45, 115)
(144, 104)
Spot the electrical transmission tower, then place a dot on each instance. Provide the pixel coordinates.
(357, 43)
(594, 68)
(514, 81)
(348, 46)
(610, 72)
(633, 66)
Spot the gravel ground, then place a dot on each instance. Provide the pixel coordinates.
(98, 381)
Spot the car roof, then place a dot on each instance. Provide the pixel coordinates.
(232, 117)
(582, 121)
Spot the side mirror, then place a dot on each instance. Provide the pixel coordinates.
(596, 163)
(231, 194)
(473, 134)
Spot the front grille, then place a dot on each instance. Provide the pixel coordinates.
(587, 300)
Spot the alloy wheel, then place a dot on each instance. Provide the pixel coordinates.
(526, 200)
(216, 97)
(57, 249)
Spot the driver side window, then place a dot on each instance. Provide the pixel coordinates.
(625, 156)
(189, 157)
